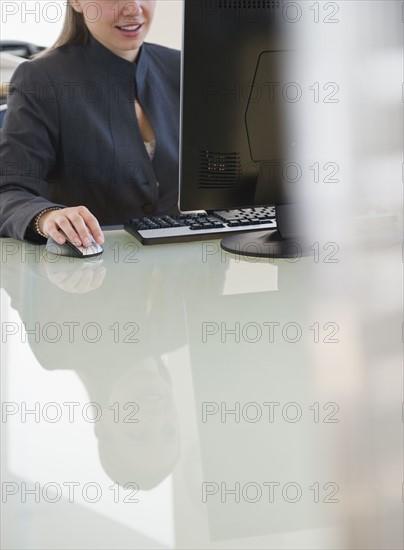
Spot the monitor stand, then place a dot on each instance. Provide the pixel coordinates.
(287, 242)
(264, 244)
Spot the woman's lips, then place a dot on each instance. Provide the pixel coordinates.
(130, 31)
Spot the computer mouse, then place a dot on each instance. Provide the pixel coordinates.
(73, 251)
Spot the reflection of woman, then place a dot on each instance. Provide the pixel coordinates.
(115, 339)
(115, 350)
(138, 433)
(91, 132)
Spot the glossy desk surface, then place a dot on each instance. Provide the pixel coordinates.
(179, 397)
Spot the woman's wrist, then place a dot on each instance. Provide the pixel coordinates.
(35, 222)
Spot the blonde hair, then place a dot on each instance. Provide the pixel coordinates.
(74, 31)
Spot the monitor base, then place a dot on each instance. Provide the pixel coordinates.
(264, 244)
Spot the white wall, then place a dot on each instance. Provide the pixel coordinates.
(40, 21)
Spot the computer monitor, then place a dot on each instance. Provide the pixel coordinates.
(236, 133)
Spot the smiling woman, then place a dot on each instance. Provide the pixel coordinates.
(91, 133)
(121, 26)
(41, 22)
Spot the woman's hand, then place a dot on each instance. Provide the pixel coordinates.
(75, 223)
(76, 278)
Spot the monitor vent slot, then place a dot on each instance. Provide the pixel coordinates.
(219, 170)
(242, 4)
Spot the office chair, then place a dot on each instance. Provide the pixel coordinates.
(19, 48)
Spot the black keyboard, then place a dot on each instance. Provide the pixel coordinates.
(200, 226)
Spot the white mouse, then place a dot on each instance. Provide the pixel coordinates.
(69, 249)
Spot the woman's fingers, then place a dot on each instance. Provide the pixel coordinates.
(92, 224)
(76, 224)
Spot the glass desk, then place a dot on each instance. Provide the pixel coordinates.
(179, 397)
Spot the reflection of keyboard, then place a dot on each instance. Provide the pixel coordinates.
(199, 226)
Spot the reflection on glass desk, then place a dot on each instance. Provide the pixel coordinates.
(180, 397)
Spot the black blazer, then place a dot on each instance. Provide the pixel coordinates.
(71, 136)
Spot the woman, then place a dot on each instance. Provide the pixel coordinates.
(91, 131)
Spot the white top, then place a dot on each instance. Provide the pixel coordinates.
(150, 148)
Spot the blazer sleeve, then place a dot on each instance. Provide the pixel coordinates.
(29, 144)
